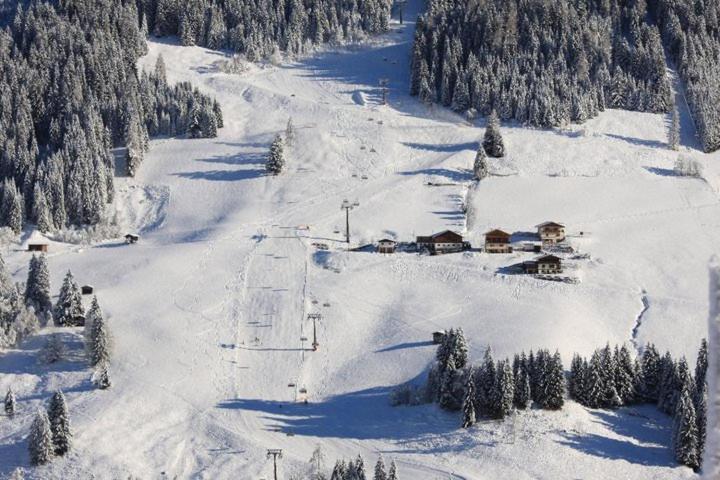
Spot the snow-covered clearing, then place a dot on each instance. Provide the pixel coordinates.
(208, 310)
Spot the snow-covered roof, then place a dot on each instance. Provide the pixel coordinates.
(550, 224)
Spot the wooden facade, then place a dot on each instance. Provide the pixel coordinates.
(37, 247)
(497, 241)
(443, 242)
(386, 246)
(551, 233)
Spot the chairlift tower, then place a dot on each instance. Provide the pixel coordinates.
(275, 453)
(347, 206)
(315, 317)
(384, 84)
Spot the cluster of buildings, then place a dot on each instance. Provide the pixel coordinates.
(496, 242)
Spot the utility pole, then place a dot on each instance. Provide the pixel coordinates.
(384, 83)
(275, 453)
(315, 317)
(347, 206)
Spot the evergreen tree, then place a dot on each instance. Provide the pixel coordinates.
(59, 424)
(53, 350)
(37, 288)
(485, 384)
(276, 159)
(10, 403)
(339, 471)
(93, 314)
(685, 432)
(575, 382)
(69, 309)
(101, 376)
(380, 472)
(522, 389)
(611, 397)
(652, 376)
(100, 343)
(624, 375)
(392, 473)
(553, 384)
(447, 387)
(469, 403)
(504, 390)
(40, 443)
(493, 141)
(593, 385)
(480, 168)
(701, 366)
(360, 468)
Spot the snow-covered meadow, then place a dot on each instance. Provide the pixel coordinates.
(208, 310)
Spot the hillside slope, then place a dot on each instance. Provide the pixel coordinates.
(209, 309)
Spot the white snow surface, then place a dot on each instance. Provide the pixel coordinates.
(208, 309)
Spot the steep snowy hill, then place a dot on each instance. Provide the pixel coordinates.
(209, 309)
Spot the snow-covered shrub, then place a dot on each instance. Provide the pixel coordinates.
(53, 350)
(407, 394)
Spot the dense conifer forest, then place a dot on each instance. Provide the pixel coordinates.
(258, 27)
(69, 93)
(548, 62)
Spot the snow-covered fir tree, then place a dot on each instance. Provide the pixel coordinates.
(40, 443)
(380, 472)
(448, 399)
(317, 464)
(493, 142)
(624, 375)
(610, 396)
(485, 381)
(360, 468)
(100, 342)
(69, 308)
(651, 373)
(553, 384)
(468, 408)
(685, 432)
(10, 403)
(276, 157)
(522, 387)
(480, 168)
(392, 472)
(93, 313)
(60, 424)
(37, 287)
(504, 390)
(101, 376)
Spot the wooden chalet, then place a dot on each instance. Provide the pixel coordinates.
(386, 246)
(37, 247)
(497, 241)
(551, 233)
(131, 238)
(443, 242)
(545, 265)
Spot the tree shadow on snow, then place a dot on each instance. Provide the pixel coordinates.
(362, 415)
(24, 360)
(663, 172)
(638, 141)
(222, 175)
(454, 175)
(443, 148)
(645, 437)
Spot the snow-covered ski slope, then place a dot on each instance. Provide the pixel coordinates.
(209, 309)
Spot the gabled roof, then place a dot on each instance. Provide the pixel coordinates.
(550, 224)
(445, 232)
(386, 240)
(497, 233)
(548, 259)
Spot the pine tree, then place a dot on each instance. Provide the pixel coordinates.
(53, 351)
(593, 385)
(380, 470)
(101, 376)
(493, 141)
(480, 168)
(485, 384)
(447, 387)
(100, 343)
(37, 288)
(339, 471)
(610, 397)
(317, 464)
(392, 473)
(69, 309)
(554, 384)
(40, 443)
(652, 376)
(522, 388)
(701, 366)
(460, 349)
(685, 432)
(160, 70)
(60, 424)
(468, 407)
(700, 403)
(504, 390)
(624, 375)
(360, 468)
(575, 382)
(10, 403)
(94, 313)
(276, 159)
